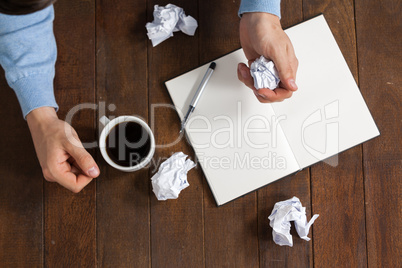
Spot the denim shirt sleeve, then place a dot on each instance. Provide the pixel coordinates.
(268, 6)
(28, 54)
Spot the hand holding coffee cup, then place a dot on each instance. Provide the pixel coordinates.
(126, 143)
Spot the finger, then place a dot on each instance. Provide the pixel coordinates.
(73, 182)
(73, 166)
(69, 166)
(243, 73)
(68, 176)
(83, 160)
(76, 171)
(286, 63)
(279, 94)
(261, 98)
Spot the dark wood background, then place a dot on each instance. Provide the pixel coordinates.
(116, 221)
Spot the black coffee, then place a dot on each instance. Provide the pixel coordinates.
(127, 144)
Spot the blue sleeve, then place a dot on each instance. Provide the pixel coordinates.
(268, 6)
(28, 54)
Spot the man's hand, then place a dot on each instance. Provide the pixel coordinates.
(60, 152)
(262, 34)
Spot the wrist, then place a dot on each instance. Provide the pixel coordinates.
(258, 16)
(40, 117)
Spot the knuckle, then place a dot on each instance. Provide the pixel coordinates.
(76, 189)
(47, 174)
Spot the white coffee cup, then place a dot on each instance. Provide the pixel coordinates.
(108, 126)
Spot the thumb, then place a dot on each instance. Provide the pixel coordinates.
(287, 74)
(289, 83)
(286, 63)
(84, 160)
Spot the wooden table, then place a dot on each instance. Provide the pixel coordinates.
(104, 57)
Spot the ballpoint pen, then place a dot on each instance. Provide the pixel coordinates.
(197, 95)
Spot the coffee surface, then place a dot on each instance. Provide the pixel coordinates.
(127, 144)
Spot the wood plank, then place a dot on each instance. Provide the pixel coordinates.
(379, 27)
(338, 192)
(123, 236)
(176, 225)
(70, 231)
(230, 230)
(337, 196)
(21, 189)
(218, 28)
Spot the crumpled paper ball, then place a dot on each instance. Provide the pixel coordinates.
(171, 177)
(264, 73)
(167, 20)
(283, 213)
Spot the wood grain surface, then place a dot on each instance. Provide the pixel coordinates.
(21, 189)
(379, 43)
(106, 60)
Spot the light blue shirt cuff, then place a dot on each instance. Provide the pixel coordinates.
(267, 6)
(35, 91)
(28, 54)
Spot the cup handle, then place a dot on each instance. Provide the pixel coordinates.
(104, 120)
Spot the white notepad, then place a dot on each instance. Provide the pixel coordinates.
(242, 144)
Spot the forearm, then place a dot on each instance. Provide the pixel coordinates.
(28, 54)
(267, 6)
